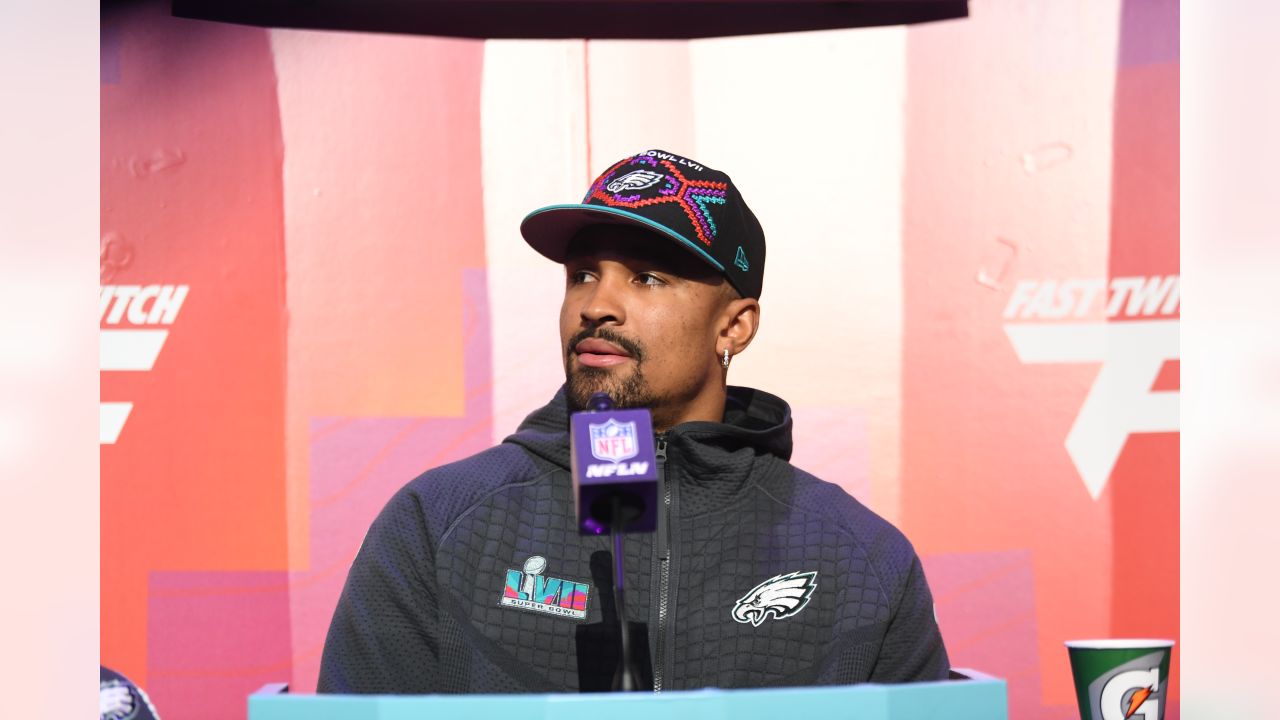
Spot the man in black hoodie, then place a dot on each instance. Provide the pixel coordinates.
(474, 577)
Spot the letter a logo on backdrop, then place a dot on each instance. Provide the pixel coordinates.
(1132, 352)
(134, 322)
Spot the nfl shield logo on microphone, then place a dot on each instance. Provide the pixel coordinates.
(613, 441)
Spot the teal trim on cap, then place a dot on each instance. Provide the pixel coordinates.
(605, 209)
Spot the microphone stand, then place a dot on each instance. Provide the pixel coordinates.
(621, 514)
(626, 679)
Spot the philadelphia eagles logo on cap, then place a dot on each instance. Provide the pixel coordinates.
(779, 597)
(635, 180)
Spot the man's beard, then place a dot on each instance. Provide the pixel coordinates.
(581, 382)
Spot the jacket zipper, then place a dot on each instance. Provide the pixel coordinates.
(664, 565)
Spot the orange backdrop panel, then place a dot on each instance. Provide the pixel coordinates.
(191, 195)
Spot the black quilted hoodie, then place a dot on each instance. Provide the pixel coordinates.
(475, 579)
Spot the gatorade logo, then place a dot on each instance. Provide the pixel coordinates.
(1132, 691)
(134, 321)
(1045, 324)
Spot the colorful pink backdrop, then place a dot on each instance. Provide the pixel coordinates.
(314, 289)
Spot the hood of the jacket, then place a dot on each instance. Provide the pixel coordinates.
(753, 420)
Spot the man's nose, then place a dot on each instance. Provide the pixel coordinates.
(604, 304)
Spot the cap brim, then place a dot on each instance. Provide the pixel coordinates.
(549, 230)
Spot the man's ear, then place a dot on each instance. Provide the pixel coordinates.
(739, 322)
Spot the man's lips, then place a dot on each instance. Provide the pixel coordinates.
(594, 352)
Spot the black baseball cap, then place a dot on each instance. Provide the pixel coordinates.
(678, 198)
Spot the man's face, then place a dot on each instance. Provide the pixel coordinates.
(640, 321)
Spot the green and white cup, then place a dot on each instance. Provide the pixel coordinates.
(1121, 679)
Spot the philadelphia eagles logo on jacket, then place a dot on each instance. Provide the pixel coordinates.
(780, 596)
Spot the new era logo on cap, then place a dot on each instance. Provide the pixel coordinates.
(676, 197)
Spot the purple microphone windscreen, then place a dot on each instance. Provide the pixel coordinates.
(613, 458)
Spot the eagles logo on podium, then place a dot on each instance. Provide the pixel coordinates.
(120, 699)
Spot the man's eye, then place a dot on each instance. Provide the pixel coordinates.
(649, 279)
(580, 276)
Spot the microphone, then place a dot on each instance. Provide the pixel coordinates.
(615, 470)
(615, 489)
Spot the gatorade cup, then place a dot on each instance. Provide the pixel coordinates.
(1120, 679)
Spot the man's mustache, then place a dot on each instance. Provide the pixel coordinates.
(632, 347)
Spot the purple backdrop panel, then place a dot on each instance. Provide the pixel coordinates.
(109, 52)
(1149, 36)
(986, 608)
(213, 638)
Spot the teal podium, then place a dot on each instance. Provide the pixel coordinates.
(969, 695)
